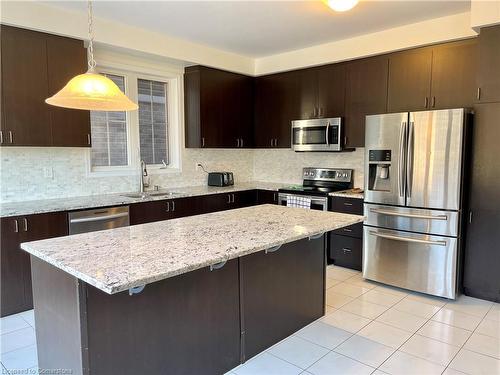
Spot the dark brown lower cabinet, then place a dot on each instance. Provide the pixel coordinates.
(267, 196)
(16, 292)
(345, 245)
(346, 251)
(281, 292)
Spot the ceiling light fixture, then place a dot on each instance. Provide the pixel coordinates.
(91, 91)
(341, 5)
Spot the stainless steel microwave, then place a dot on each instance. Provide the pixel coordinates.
(324, 134)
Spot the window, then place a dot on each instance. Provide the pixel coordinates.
(152, 133)
(109, 134)
(153, 130)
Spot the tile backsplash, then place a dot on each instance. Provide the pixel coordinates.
(28, 173)
(285, 165)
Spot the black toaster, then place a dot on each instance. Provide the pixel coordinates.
(220, 179)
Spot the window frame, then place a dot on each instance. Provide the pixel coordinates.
(134, 68)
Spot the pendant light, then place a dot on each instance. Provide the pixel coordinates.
(341, 5)
(91, 91)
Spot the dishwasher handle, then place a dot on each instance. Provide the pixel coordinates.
(98, 218)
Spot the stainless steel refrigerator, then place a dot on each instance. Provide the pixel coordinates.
(414, 176)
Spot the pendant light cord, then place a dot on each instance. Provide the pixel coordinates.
(91, 61)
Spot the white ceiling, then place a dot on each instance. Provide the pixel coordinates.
(261, 28)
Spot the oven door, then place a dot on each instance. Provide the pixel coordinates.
(317, 203)
(316, 135)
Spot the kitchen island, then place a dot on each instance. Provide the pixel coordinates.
(193, 295)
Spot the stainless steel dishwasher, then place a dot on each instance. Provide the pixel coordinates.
(98, 219)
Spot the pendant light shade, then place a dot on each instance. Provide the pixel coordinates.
(93, 92)
(341, 5)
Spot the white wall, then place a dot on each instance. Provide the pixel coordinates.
(417, 34)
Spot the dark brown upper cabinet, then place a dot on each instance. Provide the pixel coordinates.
(454, 68)
(35, 66)
(442, 76)
(218, 108)
(66, 58)
(25, 119)
(366, 94)
(488, 77)
(322, 91)
(410, 80)
(276, 106)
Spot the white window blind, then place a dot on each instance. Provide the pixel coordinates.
(109, 134)
(153, 121)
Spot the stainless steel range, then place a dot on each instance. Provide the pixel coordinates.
(316, 185)
(414, 199)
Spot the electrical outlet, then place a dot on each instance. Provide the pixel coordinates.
(48, 172)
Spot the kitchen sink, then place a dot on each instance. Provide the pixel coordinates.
(151, 194)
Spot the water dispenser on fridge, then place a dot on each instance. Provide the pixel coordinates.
(380, 170)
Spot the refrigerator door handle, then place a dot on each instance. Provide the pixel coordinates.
(409, 159)
(401, 173)
(413, 216)
(407, 239)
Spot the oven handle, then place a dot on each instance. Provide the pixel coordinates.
(323, 201)
(407, 239)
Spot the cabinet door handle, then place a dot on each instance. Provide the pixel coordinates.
(478, 94)
(274, 197)
(173, 206)
(229, 198)
(202, 141)
(237, 142)
(168, 207)
(25, 224)
(433, 102)
(1, 136)
(272, 142)
(89, 139)
(233, 197)
(276, 142)
(16, 226)
(11, 137)
(426, 102)
(241, 141)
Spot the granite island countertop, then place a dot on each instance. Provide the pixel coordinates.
(118, 259)
(31, 207)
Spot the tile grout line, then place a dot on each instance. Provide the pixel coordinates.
(474, 331)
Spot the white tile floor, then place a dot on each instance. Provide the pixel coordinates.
(368, 329)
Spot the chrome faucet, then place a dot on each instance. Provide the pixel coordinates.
(143, 173)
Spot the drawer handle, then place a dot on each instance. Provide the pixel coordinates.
(413, 216)
(347, 204)
(407, 239)
(347, 230)
(346, 250)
